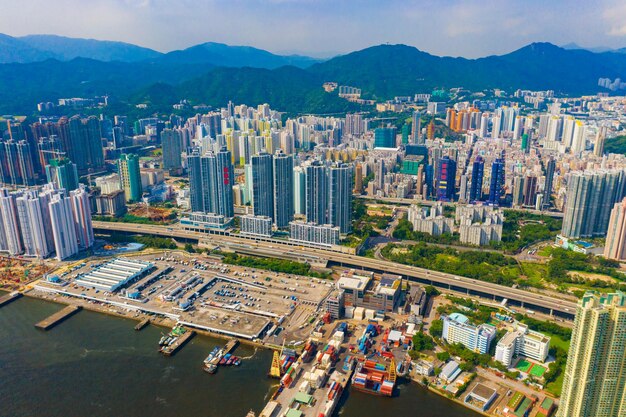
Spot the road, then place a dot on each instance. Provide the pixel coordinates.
(409, 201)
(291, 250)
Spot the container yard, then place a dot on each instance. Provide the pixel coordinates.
(375, 378)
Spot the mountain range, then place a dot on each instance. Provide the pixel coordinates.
(37, 48)
(48, 67)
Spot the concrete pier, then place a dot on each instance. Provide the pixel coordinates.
(6, 299)
(58, 317)
(179, 343)
(143, 323)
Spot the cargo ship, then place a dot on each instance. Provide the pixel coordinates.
(375, 378)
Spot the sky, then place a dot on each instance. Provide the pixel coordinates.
(322, 28)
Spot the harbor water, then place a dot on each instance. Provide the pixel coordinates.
(98, 366)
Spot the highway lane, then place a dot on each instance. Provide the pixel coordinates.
(526, 299)
(409, 201)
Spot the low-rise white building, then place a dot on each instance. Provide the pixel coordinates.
(457, 329)
(521, 341)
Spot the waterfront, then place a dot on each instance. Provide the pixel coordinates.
(97, 365)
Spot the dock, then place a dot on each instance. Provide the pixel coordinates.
(179, 343)
(58, 317)
(143, 323)
(6, 299)
(230, 346)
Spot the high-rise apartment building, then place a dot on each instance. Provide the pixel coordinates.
(283, 189)
(63, 227)
(299, 190)
(496, 186)
(416, 128)
(547, 190)
(478, 173)
(615, 246)
(446, 177)
(316, 193)
(385, 137)
(83, 143)
(62, 173)
(81, 209)
(340, 197)
(262, 184)
(211, 179)
(590, 197)
(130, 177)
(172, 143)
(11, 240)
(595, 381)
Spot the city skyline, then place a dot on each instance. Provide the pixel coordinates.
(468, 29)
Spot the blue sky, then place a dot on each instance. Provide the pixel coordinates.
(470, 28)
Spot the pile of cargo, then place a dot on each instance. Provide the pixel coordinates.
(328, 356)
(286, 359)
(308, 352)
(290, 375)
(365, 342)
(316, 377)
(374, 378)
(334, 390)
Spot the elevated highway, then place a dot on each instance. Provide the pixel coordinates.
(292, 250)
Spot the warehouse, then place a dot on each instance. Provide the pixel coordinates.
(113, 275)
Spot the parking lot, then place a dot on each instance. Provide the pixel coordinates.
(204, 293)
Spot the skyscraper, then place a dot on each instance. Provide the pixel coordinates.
(262, 184)
(547, 190)
(63, 227)
(12, 241)
(478, 173)
(283, 189)
(615, 247)
(446, 177)
(172, 143)
(416, 133)
(83, 144)
(590, 197)
(496, 186)
(16, 163)
(358, 178)
(130, 177)
(210, 182)
(598, 147)
(316, 193)
(81, 209)
(299, 190)
(385, 137)
(62, 172)
(530, 190)
(595, 381)
(32, 213)
(340, 197)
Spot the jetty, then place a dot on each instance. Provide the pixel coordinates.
(6, 299)
(182, 335)
(58, 317)
(143, 323)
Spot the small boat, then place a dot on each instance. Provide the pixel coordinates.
(222, 361)
(211, 368)
(212, 355)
